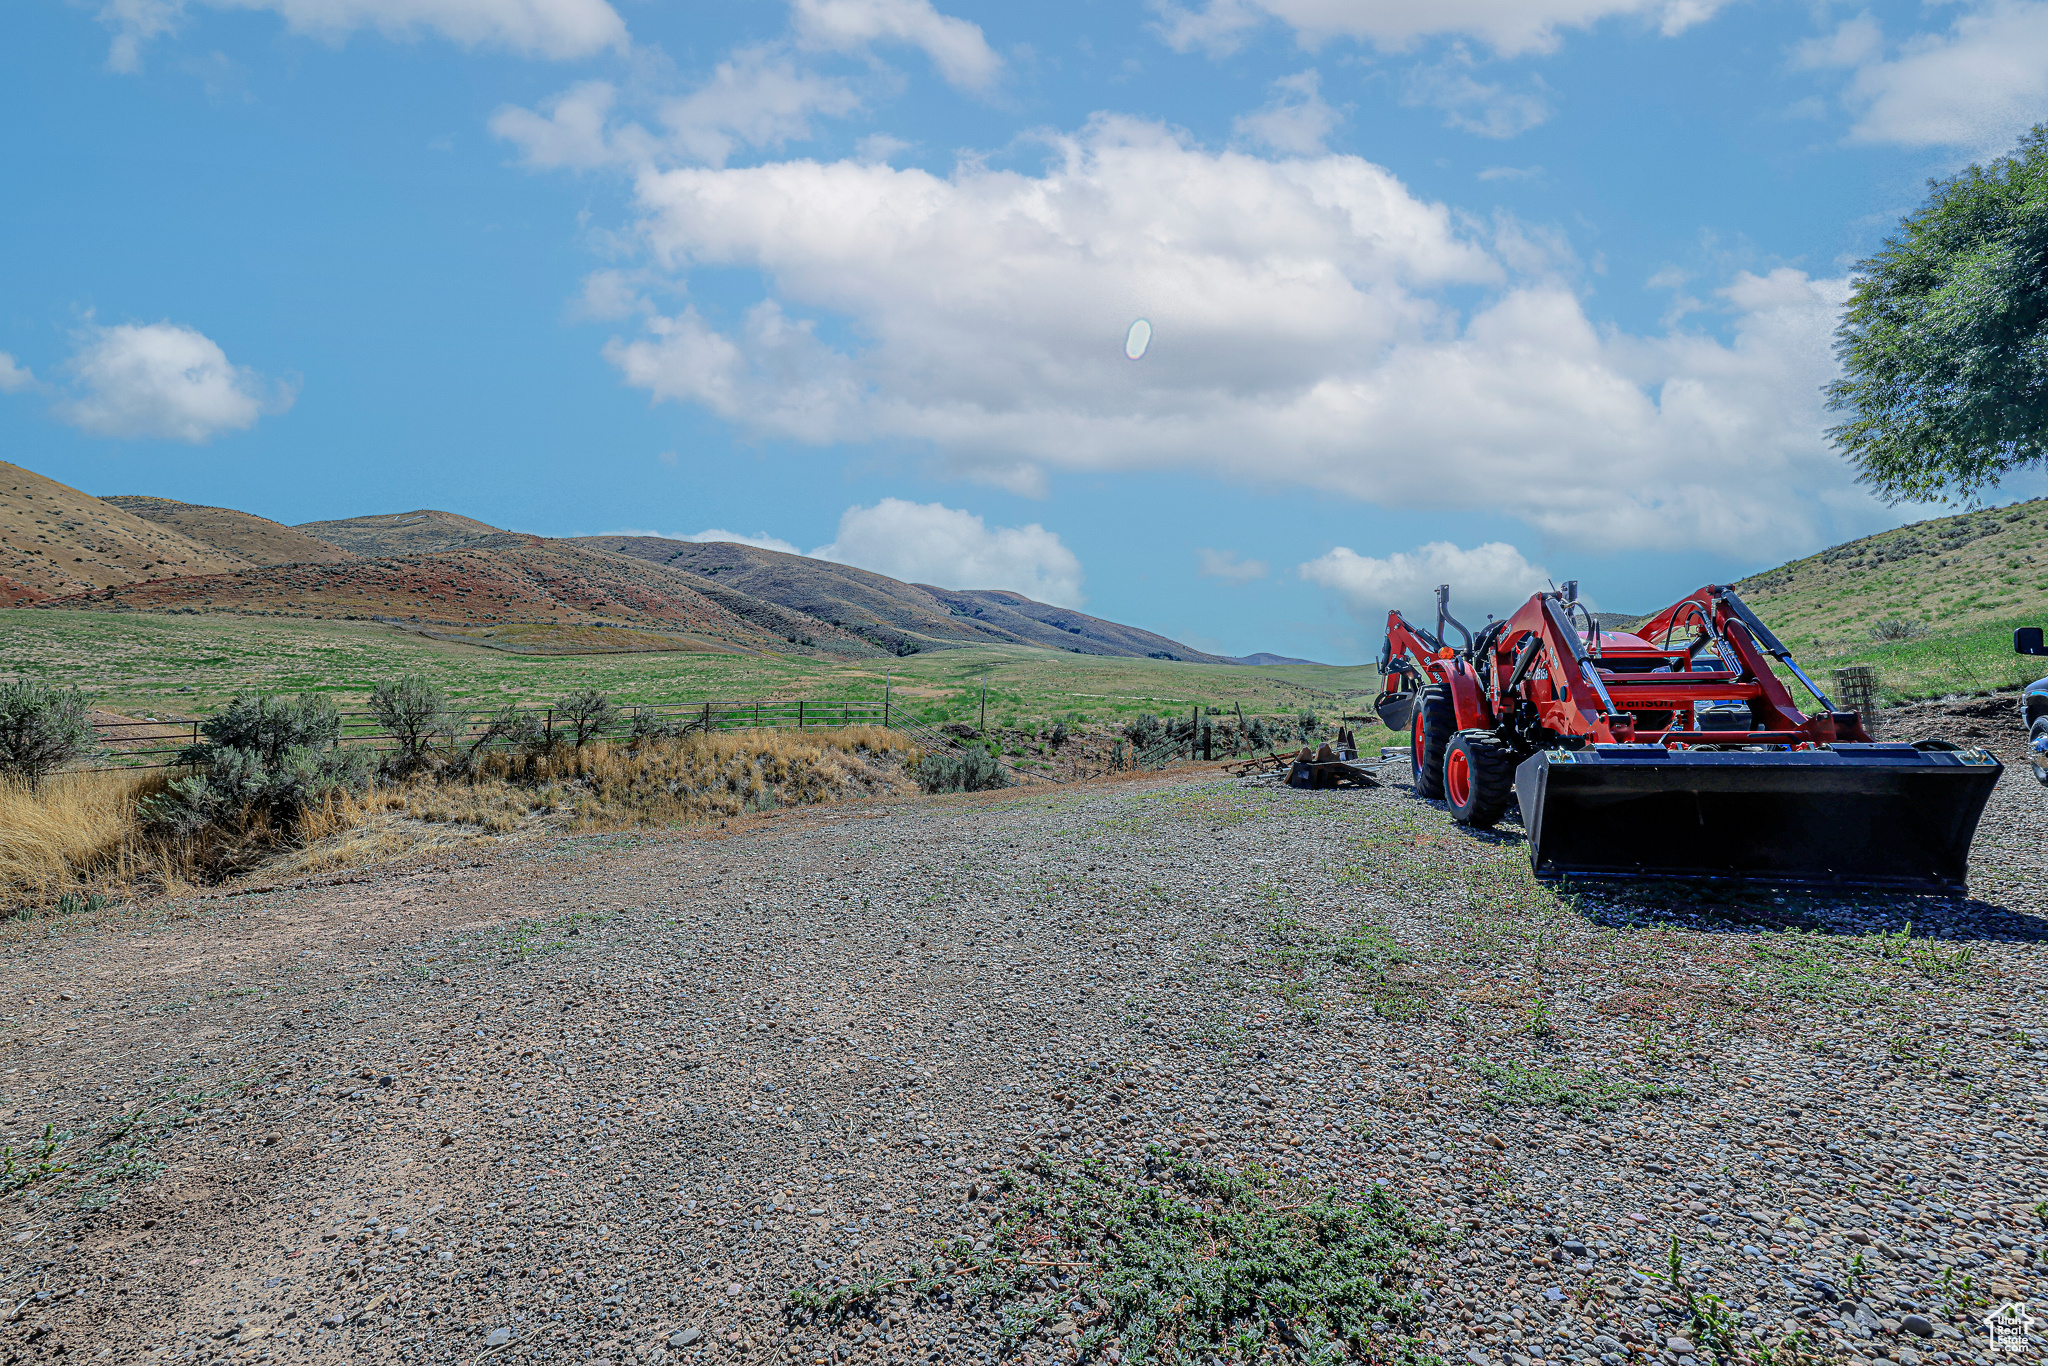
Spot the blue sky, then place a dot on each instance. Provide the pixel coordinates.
(1484, 291)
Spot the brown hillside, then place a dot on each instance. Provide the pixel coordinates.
(897, 617)
(1062, 628)
(57, 540)
(255, 540)
(556, 583)
(894, 615)
(403, 533)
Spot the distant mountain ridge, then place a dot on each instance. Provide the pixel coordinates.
(441, 571)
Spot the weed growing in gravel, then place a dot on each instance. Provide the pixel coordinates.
(1183, 1264)
(1795, 965)
(1714, 1324)
(1583, 1090)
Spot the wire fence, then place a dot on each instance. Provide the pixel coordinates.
(127, 743)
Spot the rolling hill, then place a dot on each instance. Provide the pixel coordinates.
(56, 540)
(405, 533)
(447, 574)
(251, 539)
(504, 583)
(1943, 576)
(898, 617)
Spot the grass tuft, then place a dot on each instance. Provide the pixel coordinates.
(1583, 1090)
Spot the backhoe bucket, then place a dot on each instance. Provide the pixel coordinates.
(1855, 816)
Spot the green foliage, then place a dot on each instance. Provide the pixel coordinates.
(1181, 1267)
(1141, 730)
(40, 1161)
(416, 714)
(1585, 1090)
(968, 769)
(269, 727)
(1057, 736)
(1714, 1324)
(1308, 726)
(270, 755)
(42, 728)
(586, 715)
(647, 724)
(1944, 346)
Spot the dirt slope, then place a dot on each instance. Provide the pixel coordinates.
(403, 533)
(504, 580)
(56, 540)
(252, 539)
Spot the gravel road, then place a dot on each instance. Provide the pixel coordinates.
(616, 1098)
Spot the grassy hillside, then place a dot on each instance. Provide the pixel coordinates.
(160, 664)
(1932, 605)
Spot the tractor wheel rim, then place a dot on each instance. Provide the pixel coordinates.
(1415, 744)
(1458, 777)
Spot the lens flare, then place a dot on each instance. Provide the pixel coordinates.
(1137, 339)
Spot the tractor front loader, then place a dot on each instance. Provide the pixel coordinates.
(1672, 750)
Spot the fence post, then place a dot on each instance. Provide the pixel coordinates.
(799, 715)
(707, 718)
(1856, 690)
(887, 676)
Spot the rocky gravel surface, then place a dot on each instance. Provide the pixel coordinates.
(616, 1099)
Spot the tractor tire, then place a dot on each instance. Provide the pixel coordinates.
(1430, 729)
(1479, 778)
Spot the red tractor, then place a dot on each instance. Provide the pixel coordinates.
(1672, 749)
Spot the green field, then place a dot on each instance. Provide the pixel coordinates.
(168, 665)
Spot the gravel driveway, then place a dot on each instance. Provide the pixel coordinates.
(620, 1098)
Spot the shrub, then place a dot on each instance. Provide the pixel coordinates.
(1142, 730)
(415, 713)
(1057, 736)
(1894, 628)
(647, 724)
(971, 769)
(1256, 734)
(268, 727)
(509, 727)
(1308, 726)
(266, 756)
(587, 715)
(42, 728)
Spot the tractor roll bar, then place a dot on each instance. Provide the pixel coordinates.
(1443, 614)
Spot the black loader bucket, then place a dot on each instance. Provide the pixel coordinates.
(1886, 817)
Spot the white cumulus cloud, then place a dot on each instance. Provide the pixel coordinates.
(535, 28)
(14, 377)
(1975, 87)
(1509, 27)
(1225, 565)
(1494, 577)
(162, 380)
(955, 46)
(1330, 330)
(951, 548)
(760, 540)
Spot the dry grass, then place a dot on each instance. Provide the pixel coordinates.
(81, 833)
(75, 833)
(677, 782)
